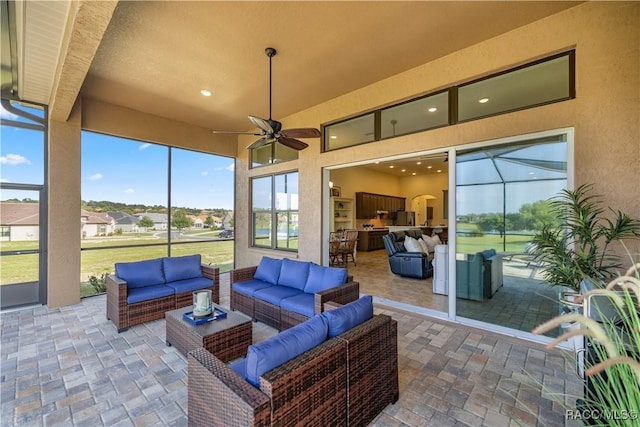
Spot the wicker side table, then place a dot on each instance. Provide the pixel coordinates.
(226, 338)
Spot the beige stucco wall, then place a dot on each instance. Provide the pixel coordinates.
(605, 113)
(63, 240)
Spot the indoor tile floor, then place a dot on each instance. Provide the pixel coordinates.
(69, 367)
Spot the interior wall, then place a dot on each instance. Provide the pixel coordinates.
(432, 184)
(606, 36)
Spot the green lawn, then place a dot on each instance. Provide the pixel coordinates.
(471, 245)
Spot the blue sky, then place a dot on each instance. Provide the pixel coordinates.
(122, 170)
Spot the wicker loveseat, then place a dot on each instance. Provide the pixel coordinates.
(142, 291)
(346, 379)
(284, 292)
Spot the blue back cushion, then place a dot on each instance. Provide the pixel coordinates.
(322, 278)
(268, 270)
(141, 273)
(349, 315)
(488, 253)
(181, 267)
(294, 273)
(273, 352)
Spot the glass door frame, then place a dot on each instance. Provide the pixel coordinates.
(28, 293)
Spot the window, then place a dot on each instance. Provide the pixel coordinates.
(274, 207)
(272, 153)
(531, 85)
(144, 201)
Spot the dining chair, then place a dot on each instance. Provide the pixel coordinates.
(348, 246)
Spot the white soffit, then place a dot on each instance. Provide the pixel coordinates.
(40, 30)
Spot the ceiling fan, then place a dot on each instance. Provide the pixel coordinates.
(271, 130)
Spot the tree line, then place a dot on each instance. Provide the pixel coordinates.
(530, 217)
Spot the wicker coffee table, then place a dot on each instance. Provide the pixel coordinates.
(226, 338)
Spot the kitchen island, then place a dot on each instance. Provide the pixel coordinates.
(371, 240)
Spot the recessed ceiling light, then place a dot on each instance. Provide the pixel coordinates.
(334, 137)
(429, 167)
(404, 170)
(377, 163)
(418, 163)
(205, 92)
(413, 173)
(391, 167)
(433, 109)
(483, 100)
(439, 170)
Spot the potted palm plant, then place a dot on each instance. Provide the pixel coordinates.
(579, 248)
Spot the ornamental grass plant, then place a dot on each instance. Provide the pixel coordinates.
(615, 373)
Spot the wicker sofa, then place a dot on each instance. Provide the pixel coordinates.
(347, 379)
(143, 291)
(283, 292)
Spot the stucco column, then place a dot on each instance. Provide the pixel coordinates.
(63, 248)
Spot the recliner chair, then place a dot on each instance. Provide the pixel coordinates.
(403, 263)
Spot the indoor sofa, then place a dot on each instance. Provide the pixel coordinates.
(142, 291)
(284, 292)
(337, 368)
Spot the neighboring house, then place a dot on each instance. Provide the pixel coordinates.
(125, 221)
(227, 221)
(197, 222)
(19, 221)
(160, 220)
(96, 224)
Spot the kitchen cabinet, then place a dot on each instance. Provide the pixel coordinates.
(368, 204)
(371, 240)
(341, 214)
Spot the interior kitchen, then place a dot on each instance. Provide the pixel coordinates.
(390, 195)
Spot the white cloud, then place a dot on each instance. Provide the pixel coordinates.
(144, 146)
(14, 159)
(205, 173)
(4, 180)
(231, 167)
(96, 176)
(7, 115)
(129, 190)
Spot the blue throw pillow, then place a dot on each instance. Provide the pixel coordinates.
(268, 270)
(488, 253)
(273, 352)
(349, 315)
(141, 273)
(182, 267)
(322, 278)
(294, 273)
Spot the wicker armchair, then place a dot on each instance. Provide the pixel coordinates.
(347, 380)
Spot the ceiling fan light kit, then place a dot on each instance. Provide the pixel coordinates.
(271, 130)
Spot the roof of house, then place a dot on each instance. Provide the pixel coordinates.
(155, 217)
(123, 218)
(96, 218)
(19, 213)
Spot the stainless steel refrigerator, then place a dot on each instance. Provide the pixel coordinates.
(406, 218)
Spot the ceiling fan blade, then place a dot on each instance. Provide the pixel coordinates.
(292, 143)
(230, 132)
(262, 124)
(301, 133)
(260, 143)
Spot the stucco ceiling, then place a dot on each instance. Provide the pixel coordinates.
(157, 56)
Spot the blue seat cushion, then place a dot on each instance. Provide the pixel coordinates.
(488, 253)
(268, 270)
(294, 273)
(322, 278)
(302, 304)
(141, 273)
(273, 352)
(349, 315)
(239, 367)
(147, 293)
(275, 294)
(189, 285)
(182, 267)
(249, 287)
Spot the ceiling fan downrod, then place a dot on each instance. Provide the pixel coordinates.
(270, 52)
